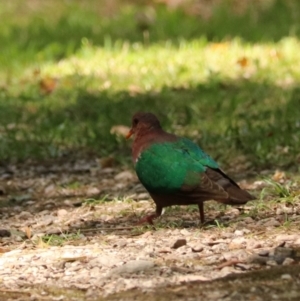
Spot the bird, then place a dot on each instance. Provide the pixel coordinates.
(176, 171)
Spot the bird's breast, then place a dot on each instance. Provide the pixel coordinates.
(158, 172)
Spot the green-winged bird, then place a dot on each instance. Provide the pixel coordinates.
(176, 171)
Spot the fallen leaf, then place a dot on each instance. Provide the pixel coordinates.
(27, 231)
(47, 85)
(243, 62)
(278, 176)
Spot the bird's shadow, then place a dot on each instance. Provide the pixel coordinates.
(129, 226)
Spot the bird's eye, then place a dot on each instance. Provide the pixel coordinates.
(135, 121)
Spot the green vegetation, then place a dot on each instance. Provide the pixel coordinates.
(70, 71)
(59, 240)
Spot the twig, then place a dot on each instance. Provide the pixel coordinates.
(228, 263)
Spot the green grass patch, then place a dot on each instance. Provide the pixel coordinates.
(230, 84)
(59, 240)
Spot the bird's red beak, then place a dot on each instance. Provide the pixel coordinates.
(129, 134)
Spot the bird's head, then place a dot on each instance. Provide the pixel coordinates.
(143, 122)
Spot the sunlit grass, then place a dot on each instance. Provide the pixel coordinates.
(139, 68)
(235, 95)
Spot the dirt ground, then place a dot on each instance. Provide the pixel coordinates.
(68, 232)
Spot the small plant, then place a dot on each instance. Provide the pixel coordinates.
(283, 191)
(60, 239)
(93, 202)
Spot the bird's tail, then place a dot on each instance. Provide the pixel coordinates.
(237, 196)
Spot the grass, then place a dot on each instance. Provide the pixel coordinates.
(59, 240)
(230, 84)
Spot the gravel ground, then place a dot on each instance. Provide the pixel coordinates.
(55, 234)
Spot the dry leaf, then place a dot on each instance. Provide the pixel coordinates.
(278, 176)
(27, 231)
(120, 130)
(243, 62)
(48, 84)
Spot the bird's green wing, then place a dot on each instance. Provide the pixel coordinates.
(171, 166)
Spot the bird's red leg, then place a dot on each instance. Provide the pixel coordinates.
(201, 211)
(149, 218)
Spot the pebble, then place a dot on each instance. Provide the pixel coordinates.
(62, 212)
(238, 232)
(286, 237)
(95, 272)
(143, 196)
(25, 215)
(248, 220)
(235, 254)
(257, 259)
(288, 261)
(237, 243)
(252, 244)
(271, 262)
(179, 243)
(263, 253)
(4, 233)
(286, 277)
(132, 266)
(197, 248)
(272, 223)
(124, 176)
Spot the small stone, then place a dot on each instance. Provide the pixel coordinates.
(93, 191)
(185, 232)
(124, 176)
(227, 271)
(62, 212)
(238, 232)
(237, 243)
(95, 272)
(235, 254)
(243, 266)
(288, 261)
(25, 215)
(271, 263)
(248, 220)
(286, 237)
(286, 277)
(120, 244)
(272, 223)
(257, 259)
(263, 253)
(197, 249)
(143, 196)
(253, 244)
(179, 243)
(132, 266)
(4, 233)
(46, 221)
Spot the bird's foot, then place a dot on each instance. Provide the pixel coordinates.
(147, 219)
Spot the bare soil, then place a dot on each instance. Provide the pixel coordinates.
(68, 232)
